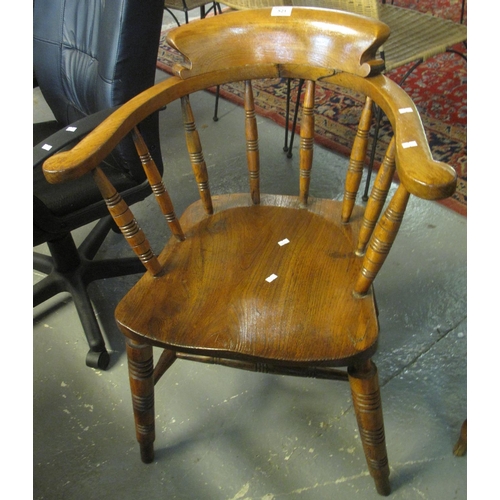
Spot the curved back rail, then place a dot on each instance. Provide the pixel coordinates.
(310, 44)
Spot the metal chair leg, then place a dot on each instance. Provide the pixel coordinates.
(287, 112)
(378, 119)
(216, 109)
(295, 116)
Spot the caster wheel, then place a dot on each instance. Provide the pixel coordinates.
(97, 359)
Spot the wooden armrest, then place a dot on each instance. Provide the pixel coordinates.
(96, 146)
(417, 170)
(51, 145)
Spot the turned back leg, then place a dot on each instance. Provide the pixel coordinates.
(363, 380)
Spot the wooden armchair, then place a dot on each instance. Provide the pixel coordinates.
(258, 281)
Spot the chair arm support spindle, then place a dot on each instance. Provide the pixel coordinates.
(306, 141)
(125, 220)
(377, 198)
(357, 159)
(382, 239)
(157, 185)
(196, 154)
(252, 143)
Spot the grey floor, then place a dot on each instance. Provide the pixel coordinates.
(225, 434)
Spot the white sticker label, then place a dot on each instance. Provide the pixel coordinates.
(71, 129)
(283, 242)
(405, 110)
(271, 278)
(410, 144)
(281, 11)
(47, 147)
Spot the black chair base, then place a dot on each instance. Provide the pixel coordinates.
(71, 269)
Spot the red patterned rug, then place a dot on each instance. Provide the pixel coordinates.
(438, 87)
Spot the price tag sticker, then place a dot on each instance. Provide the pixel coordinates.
(281, 11)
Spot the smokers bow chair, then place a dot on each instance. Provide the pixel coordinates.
(263, 282)
(88, 57)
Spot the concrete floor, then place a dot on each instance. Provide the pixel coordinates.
(225, 434)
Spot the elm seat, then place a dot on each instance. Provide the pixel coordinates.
(88, 58)
(238, 323)
(277, 283)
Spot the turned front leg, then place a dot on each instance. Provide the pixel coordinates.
(363, 380)
(140, 367)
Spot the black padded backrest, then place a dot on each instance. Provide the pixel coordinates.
(93, 54)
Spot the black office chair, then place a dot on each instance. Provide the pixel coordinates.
(89, 57)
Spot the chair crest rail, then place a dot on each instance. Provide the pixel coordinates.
(294, 35)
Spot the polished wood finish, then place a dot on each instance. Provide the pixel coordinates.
(355, 51)
(157, 186)
(365, 390)
(235, 310)
(382, 239)
(377, 198)
(252, 142)
(124, 219)
(164, 362)
(306, 142)
(196, 154)
(357, 159)
(141, 370)
(266, 282)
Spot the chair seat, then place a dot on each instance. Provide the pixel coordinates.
(226, 308)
